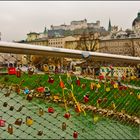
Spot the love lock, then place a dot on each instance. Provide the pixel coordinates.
(40, 133)
(41, 111)
(2, 122)
(20, 108)
(75, 134)
(64, 126)
(18, 121)
(29, 121)
(5, 104)
(29, 97)
(10, 129)
(11, 108)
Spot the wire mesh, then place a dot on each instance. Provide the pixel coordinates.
(99, 101)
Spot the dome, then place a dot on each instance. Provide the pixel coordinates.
(137, 19)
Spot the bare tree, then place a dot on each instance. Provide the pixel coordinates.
(89, 41)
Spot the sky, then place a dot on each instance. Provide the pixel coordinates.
(17, 18)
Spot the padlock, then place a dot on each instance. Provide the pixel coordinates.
(17, 89)
(18, 73)
(47, 92)
(41, 111)
(50, 80)
(77, 109)
(112, 82)
(75, 134)
(29, 121)
(10, 129)
(92, 86)
(29, 97)
(20, 108)
(99, 100)
(105, 100)
(50, 110)
(107, 89)
(2, 122)
(5, 104)
(18, 121)
(83, 86)
(67, 115)
(40, 133)
(7, 94)
(30, 71)
(101, 77)
(78, 83)
(98, 85)
(11, 108)
(138, 96)
(64, 126)
(26, 91)
(86, 98)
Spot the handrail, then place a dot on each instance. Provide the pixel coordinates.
(18, 48)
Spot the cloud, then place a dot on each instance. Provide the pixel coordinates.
(17, 18)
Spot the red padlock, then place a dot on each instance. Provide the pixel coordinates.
(12, 71)
(112, 82)
(67, 115)
(41, 89)
(124, 87)
(50, 110)
(101, 77)
(50, 80)
(78, 82)
(75, 134)
(18, 73)
(123, 77)
(2, 122)
(86, 98)
(99, 100)
(121, 87)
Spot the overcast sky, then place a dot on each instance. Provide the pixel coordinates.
(17, 18)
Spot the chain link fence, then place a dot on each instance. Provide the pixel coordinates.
(84, 100)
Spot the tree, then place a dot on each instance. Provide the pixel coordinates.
(89, 41)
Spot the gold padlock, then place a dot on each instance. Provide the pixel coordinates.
(41, 111)
(18, 121)
(64, 126)
(10, 129)
(29, 121)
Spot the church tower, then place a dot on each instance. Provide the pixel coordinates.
(109, 26)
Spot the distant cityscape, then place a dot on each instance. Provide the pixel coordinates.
(82, 26)
(81, 34)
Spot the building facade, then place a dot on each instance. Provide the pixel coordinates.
(128, 46)
(59, 42)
